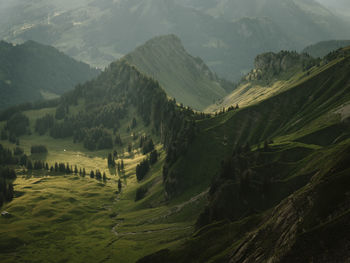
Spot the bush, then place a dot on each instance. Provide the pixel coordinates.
(153, 157)
(142, 169)
(148, 146)
(18, 124)
(18, 151)
(38, 149)
(42, 125)
(141, 193)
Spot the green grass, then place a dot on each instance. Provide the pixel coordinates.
(304, 113)
(69, 218)
(60, 218)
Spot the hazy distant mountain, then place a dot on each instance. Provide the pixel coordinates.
(185, 78)
(304, 20)
(32, 71)
(226, 34)
(322, 48)
(341, 7)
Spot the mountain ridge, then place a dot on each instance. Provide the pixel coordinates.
(31, 70)
(185, 78)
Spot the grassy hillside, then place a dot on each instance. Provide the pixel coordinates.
(222, 188)
(272, 74)
(277, 173)
(302, 109)
(70, 215)
(32, 71)
(185, 78)
(316, 214)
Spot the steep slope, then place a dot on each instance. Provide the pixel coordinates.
(270, 203)
(321, 49)
(185, 78)
(272, 73)
(32, 71)
(301, 109)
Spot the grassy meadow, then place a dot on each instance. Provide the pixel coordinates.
(61, 218)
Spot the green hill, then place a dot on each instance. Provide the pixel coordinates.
(32, 71)
(259, 183)
(275, 169)
(185, 78)
(321, 49)
(124, 114)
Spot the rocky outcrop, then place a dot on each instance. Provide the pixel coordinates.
(270, 65)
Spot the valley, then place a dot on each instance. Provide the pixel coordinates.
(198, 131)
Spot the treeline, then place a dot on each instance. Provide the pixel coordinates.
(15, 157)
(224, 110)
(62, 168)
(7, 174)
(6, 114)
(107, 101)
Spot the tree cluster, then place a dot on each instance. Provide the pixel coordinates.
(142, 169)
(38, 149)
(17, 124)
(6, 186)
(146, 144)
(7, 175)
(44, 124)
(141, 193)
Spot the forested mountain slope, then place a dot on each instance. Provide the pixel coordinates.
(277, 173)
(32, 71)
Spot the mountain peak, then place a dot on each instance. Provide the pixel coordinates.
(184, 77)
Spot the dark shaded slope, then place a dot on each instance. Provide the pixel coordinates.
(281, 201)
(32, 71)
(317, 94)
(310, 224)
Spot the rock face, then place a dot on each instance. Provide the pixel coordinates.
(280, 62)
(271, 64)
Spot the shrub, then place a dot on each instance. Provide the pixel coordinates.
(38, 149)
(141, 193)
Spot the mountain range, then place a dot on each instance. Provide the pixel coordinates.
(256, 183)
(156, 157)
(226, 34)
